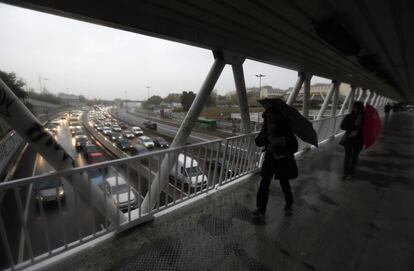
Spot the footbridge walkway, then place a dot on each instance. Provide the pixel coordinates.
(361, 224)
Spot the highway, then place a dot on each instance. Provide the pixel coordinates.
(163, 129)
(59, 223)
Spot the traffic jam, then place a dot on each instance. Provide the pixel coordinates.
(186, 176)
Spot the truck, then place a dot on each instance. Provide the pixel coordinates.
(188, 171)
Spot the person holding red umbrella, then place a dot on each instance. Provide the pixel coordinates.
(353, 140)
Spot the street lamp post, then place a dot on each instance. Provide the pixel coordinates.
(260, 80)
(148, 93)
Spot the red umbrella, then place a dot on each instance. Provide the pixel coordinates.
(372, 125)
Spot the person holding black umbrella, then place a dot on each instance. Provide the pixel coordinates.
(280, 144)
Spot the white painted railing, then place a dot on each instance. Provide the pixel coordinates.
(199, 169)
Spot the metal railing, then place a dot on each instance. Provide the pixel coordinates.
(51, 218)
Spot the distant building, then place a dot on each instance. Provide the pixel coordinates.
(319, 91)
(69, 99)
(269, 92)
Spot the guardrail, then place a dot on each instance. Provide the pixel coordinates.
(198, 169)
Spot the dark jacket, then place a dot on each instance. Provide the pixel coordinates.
(348, 124)
(280, 147)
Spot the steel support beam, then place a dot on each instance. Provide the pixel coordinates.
(357, 92)
(382, 101)
(295, 91)
(348, 100)
(17, 116)
(242, 96)
(306, 95)
(362, 95)
(369, 97)
(335, 100)
(327, 99)
(375, 100)
(180, 139)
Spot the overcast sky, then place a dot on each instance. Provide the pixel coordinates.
(95, 61)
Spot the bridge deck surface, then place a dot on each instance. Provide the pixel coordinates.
(364, 224)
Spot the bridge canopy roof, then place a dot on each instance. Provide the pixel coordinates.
(365, 43)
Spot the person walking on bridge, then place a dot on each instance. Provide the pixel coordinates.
(353, 140)
(280, 145)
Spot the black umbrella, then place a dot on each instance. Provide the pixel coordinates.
(301, 126)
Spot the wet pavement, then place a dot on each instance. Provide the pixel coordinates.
(361, 224)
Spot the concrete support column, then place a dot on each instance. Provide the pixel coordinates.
(16, 114)
(306, 95)
(328, 97)
(183, 133)
(296, 88)
(242, 96)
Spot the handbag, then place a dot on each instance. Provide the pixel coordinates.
(344, 140)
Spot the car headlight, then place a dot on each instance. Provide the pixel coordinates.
(61, 192)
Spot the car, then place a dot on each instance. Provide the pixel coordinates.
(96, 157)
(137, 131)
(75, 125)
(49, 190)
(107, 123)
(77, 131)
(96, 177)
(80, 141)
(97, 123)
(90, 148)
(123, 125)
(55, 122)
(146, 141)
(99, 127)
(51, 128)
(116, 128)
(114, 136)
(73, 120)
(128, 134)
(160, 142)
(123, 144)
(187, 171)
(227, 170)
(121, 193)
(150, 125)
(138, 149)
(106, 130)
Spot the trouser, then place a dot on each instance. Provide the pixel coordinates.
(351, 158)
(263, 193)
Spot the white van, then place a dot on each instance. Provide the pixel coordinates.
(189, 172)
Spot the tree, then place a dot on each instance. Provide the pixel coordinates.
(153, 100)
(14, 83)
(82, 99)
(173, 98)
(212, 99)
(187, 99)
